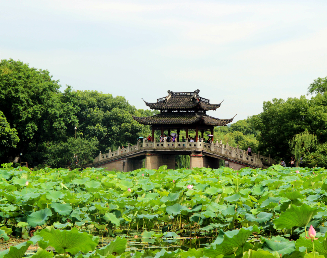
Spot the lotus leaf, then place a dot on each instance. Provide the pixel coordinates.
(16, 251)
(281, 245)
(93, 184)
(232, 198)
(71, 241)
(295, 217)
(231, 242)
(171, 197)
(3, 235)
(147, 237)
(117, 246)
(55, 195)
(230, 211)
(260, 254)
(62, 208)
(112, 218)
(39, 218)
(42, 254)
(176, 209)
(262, 217)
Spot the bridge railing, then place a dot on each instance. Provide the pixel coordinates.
(223, 150)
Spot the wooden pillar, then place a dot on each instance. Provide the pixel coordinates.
(178, 131)
(152, 134)
(186, 130)
(196, 134)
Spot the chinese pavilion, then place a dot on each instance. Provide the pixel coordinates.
(183, 111)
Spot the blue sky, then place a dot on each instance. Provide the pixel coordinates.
(242, 52)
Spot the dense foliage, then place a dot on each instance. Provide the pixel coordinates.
(201, 212)
(37, 121)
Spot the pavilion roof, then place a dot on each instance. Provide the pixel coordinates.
(184, 118)
(183, 101)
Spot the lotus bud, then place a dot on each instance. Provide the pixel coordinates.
(142, 174)
(312, 233)
(129, 189)
(297, 171)
(26, 183)
(190, 187)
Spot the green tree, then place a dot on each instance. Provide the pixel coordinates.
(30, 101)
(279, 122)
(302, 144)
(8, 135)
(73, 152)
(318, 86)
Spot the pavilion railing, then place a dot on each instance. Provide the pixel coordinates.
(222, 150)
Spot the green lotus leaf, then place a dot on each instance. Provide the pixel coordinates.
(42, 254)
(70, 241)
(147, 237)
(39, 218)
(213, 190)
(192, 252)
(270, 202)
(4, 235)
(20, 181)
(176, 209)
(61, 226)
(258, 190)
(170, 237)
(320, 244)
(281, 245)
(16, 251)
(292, 195)
(55, 195)
(232, 198)
(8, 207)
(312, 198)
(232, 242)
(78, 181)
(5, 174)
(209, 214)
(124, 184)
(22, 224)
(62, 208)
(93, 184)
(171, 197)
(112, 218)
(148, 187)
(260, 254)
(117, 246)
(260, 218)
(229, 211)
(313, 255)
(30, 195)
(295, 216)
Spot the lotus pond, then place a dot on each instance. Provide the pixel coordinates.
(164, 213)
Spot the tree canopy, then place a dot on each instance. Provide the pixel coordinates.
(38, 120)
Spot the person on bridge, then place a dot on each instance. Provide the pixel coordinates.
(149, 138)
(249, 151)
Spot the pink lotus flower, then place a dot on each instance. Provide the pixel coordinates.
(312, 233)
(190, 187)
(173, 181)
(26, 183)
(297, 171)
(129, 189)
(142, 174)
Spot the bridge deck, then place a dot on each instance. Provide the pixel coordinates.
(215, 150)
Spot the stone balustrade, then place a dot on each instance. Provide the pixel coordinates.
(223, 151)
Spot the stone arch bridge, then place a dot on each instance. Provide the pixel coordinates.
(157, 154)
